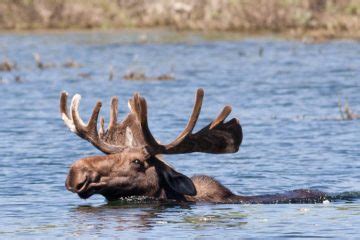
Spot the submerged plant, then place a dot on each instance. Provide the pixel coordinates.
(346, 113)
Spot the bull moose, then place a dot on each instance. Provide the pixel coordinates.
(132, 165)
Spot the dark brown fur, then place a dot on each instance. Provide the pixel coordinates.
(121, 175)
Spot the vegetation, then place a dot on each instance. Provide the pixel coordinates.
(325, 18)
(346, 113)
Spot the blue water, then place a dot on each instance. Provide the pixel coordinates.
(285, 94)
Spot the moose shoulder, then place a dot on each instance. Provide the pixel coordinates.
(132, 166)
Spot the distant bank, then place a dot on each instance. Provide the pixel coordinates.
(318, 19)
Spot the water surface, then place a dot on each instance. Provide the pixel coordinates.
(285, 94)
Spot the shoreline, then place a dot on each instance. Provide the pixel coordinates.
(311, 20)
(311, 36)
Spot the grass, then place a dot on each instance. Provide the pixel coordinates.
(314, 18)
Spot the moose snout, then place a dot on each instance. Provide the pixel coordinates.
(76, 181)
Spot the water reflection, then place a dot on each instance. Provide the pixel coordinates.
(145, 216)
(228, 220)
(125, 215)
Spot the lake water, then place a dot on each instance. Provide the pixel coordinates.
(285, 94)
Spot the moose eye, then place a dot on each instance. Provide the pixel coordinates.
(137, 162)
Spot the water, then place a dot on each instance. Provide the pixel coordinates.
(284, 92)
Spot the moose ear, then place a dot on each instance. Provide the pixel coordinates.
(178, 182)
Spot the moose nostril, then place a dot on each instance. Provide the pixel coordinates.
(80, 185)
(95, 177)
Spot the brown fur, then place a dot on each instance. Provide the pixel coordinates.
(121, 175)
(209, 190)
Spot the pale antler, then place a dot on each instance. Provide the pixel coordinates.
(89, 131)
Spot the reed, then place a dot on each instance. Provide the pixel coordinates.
(324, 17)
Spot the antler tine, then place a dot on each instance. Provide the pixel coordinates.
(102, 129)
(74, 108)
(63, 104)
(139, 107)
(192, 121)
(113, 112)
(149, 138)
(92, 124)
(88, 131)
(134, 108)
(221, 117)
(64, 112)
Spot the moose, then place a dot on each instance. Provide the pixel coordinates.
(133, 165)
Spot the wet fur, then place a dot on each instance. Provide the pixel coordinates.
(210, 190)
(154, 178)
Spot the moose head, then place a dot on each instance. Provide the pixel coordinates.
(132, 166)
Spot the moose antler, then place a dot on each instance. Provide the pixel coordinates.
(88, 131)
(133, 131)
(217, 137)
